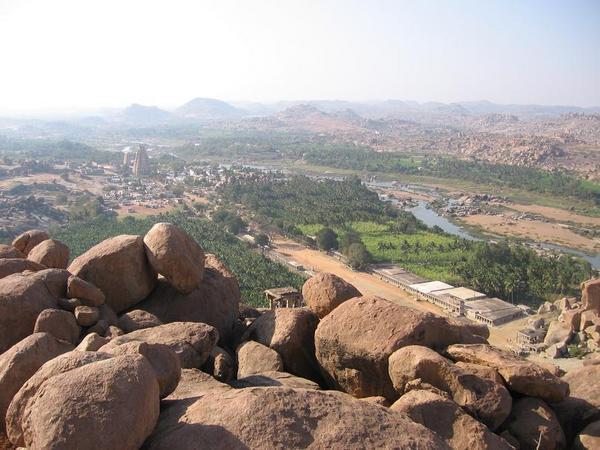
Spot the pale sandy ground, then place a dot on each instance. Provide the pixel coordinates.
(402, 195)
(142, 210)
(94, 184)
(534, 230)
(371, 285)
(37, 178)
(557, 214)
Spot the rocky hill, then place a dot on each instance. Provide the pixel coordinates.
(144, 342)
(209, 108)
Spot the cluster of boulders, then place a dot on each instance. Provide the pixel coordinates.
(143, 341)
(571, 323)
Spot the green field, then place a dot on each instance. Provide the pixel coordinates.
(425, 253)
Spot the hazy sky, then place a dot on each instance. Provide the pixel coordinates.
(76, 53)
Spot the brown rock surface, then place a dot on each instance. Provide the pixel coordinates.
(21, 361)
(230, 285)
(87, 293)
(20, 403)
(9, 266)
(530, 420)
(194, 383)
(524, 377)
(220, 364)
(256, 358)
(119, 268)
(214, 303)
(590, 295)
(274, 379)
(449, 421)
(285, 418)
(164, 361)
(91, 343)
(354, 341)
(54, 279)
(137, 320)
(290, 332)
(50, 253)
(58, 323)
(325, 291)
(87, 316)
(26, 241)
(110, 404)
(486, 400)
(8, 251)
(191, 341)
(175, 255)
(22, 298)
(558, 333)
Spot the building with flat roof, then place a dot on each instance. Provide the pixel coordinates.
(430, 287)
(396, 275)
(462, 293)
(285, 297)
(492, 311)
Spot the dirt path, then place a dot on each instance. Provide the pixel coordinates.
(556, 214)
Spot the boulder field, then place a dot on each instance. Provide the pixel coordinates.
(145, 342)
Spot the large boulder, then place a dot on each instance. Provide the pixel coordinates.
(256, 358)
(191, 341)
(290, 332)
(175, 255)
(8, 251)
(274, 379)
(164, 361)
(91, 343)
(55, 280)
(50, 253)
(230, 283)
(524, 377)
(325, 291)
(110, 404)
(22, 298)
(533, 423)
(486, 400)
(194, 383)
(20, 402)
(214, 302)
(558, 333)
(449, 421)
(87, 293)
(9, 266)
(583, 405)
(21, 361)
(119, 268)
(26, 241)
(355, 340)
(137, 320)
(272, 417)
(60, 324)
(590, 295)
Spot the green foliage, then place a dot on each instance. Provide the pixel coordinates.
(327, 239)
(358, 256)
(230, 220)
(262, 239)
(254, 272)
(575, 351)
(302, 200)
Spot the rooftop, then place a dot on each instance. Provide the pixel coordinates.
(462, 293)
(430, 286)
(278, 292)
(492, 308)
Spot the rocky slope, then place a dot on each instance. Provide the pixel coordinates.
(142, 342)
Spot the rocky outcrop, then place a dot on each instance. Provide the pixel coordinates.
(175, 255)
(119, 268)
(589, 438)
(325, 291)
(535, 425)
(25, 242)
(21, 401)
(524, 377)
(449, 421)
(22, 298)
(220, 365)
(256, 358)
(21, 361)
(9, 266)
(214, 303)
(8, 251)
(50, 253)
(290, 332)
(354, 341)
(274, 379)
(272, 417)
(91, 343)
(110, 404)
(86, 293)
(60, 324)
(137, 320)
(590, 295)
(486, 400)
(192, 342)
(164, 361)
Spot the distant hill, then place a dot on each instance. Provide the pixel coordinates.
(209, 108)
(140, 114)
